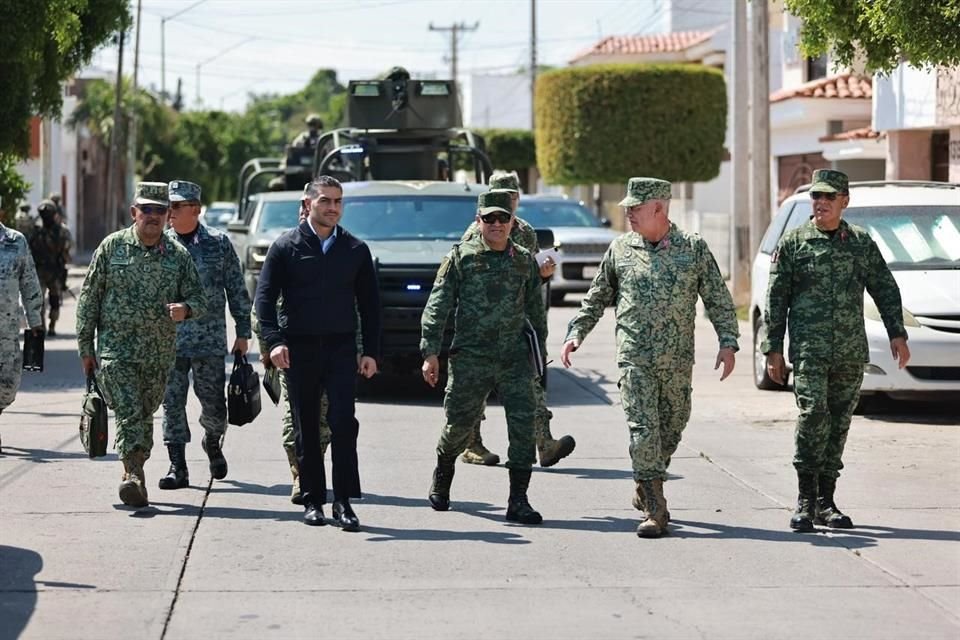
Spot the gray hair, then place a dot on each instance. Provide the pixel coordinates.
(312, 190)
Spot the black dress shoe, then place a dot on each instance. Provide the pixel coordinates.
(313, 515)
(344, 516)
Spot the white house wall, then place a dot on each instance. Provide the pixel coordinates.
(906, 99)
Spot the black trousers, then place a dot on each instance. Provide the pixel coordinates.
(319, 364)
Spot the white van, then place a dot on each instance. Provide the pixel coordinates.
(917, 228)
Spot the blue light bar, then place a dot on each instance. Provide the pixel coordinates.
(414, 287)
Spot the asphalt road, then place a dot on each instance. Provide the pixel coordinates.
(233, 560)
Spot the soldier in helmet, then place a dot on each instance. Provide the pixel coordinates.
(309, 137)
(24, 222)
(550, 451)
(50, 246)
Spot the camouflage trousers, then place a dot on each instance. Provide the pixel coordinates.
(11, 369)
(289, 440)
(826, 396)
(209, 385)
(657, 406)
(134, 390)
(51, 293)
(470, 380)
(541, 418)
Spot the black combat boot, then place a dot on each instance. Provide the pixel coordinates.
(827, 512)
(440, 489)
(802, 519)
(518, 507)
(177, 477)
(218, 464)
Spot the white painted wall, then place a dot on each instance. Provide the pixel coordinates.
(906, 99)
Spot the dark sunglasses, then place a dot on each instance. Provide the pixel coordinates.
(152, 210)
(497, 216)
(816, 195)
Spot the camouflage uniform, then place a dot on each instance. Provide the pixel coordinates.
(123, 301)
(817, 280)
(655, 288)
(201, 343)
(490, 294)
(18, 281)
(50, 244)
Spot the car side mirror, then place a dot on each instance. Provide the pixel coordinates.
(238, 227)
(545, 238)
(606, 222)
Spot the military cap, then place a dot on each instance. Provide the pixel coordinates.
(830, 181)
(313, 120)
(152, 193)
(495, 200)
(55, 197)
(183, 191)
(505, 182)
(47, 205)
(639, 190)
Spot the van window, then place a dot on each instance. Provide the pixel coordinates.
(775, 230)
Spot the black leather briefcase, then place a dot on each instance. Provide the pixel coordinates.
(93, 421)
(243, 392)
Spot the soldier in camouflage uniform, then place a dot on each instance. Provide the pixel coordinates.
(654, 274)
(139, 285)
(201, 342)
(491, 285)
(24, 222)
(311, 136)
(50, 245)
(818, 273)
(18, 281)
(551, 451)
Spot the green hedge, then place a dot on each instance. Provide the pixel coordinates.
(606, 123)
(510, 148)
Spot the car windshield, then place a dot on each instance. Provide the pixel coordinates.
(218, 217)
(279, 215)
(408, 217)
(909, 237)
(544, 214)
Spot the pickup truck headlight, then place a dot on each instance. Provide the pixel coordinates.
(255, 257)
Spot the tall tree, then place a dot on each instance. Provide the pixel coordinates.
(924, 33)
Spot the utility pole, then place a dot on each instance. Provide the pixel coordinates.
(760, 201)
(163, 46)
(533, 59)
(132, 132)
(740, 142)
(454, 29)
(112, 217)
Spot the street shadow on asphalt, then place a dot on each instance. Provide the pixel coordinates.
(695, 530)
(388, 534)
(590, 474)
(155, 509)
(887, 410)
(47, 455)
(18, 588)
(61, 370)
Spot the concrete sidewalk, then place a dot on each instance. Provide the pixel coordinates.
(233, 560)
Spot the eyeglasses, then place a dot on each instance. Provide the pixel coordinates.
(497, 216)
(816, 195)
(152, 210)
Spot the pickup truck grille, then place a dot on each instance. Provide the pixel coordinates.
(404, 291)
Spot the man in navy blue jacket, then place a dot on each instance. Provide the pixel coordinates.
(325, 275)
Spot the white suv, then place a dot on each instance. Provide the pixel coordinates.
(917, 228)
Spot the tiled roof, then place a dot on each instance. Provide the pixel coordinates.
(656, 43)
(847, 85)
(864, 133)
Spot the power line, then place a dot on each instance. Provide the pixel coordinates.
(454, 29)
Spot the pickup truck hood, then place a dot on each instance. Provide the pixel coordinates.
(590, 235)
(410, 252)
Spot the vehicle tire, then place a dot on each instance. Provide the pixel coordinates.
(556, 297)
(872, 403)
(760, 377)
